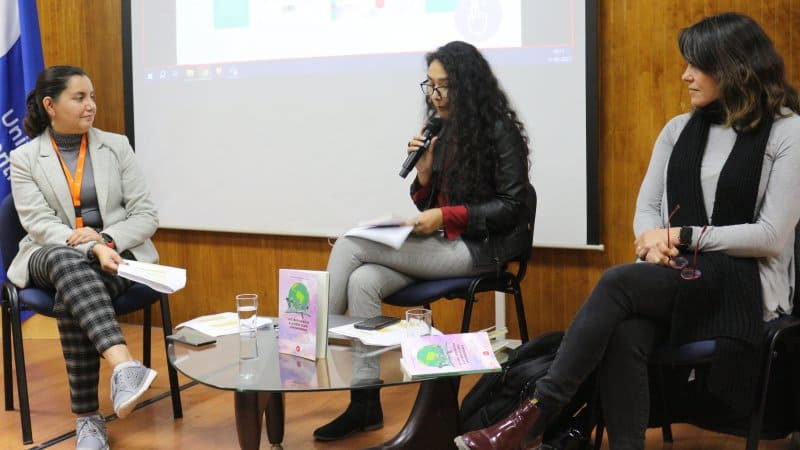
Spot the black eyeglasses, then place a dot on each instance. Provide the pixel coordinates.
(693, 273)
(679, 262)
(429, 89)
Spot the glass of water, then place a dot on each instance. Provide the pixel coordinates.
(418, 322)
(247, 308)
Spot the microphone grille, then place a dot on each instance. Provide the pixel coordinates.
(434, 124)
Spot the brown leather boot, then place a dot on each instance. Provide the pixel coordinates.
(510, 433)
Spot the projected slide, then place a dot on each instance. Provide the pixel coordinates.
(213, 31)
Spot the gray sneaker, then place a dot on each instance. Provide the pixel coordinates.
(90, 432)
(128, 382)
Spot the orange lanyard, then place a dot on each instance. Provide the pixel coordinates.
(74, 183)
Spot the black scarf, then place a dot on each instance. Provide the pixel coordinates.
(726, 302)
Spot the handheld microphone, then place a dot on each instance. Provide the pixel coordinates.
(432, 128)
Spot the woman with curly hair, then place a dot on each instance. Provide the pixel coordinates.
(722, 184)
(475, 200)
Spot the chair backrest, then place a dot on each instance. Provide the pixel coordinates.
(11, 231)
(525, 256)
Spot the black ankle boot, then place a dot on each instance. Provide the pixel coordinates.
(362, 414)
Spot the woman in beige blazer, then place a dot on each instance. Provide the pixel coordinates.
(83, 201)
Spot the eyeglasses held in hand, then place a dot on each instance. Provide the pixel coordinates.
(679, 262)
(693, 273)
(429, 89)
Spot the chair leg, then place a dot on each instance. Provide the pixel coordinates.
(666, 426)
(523, 323)
(147, 332)
(22, 377)
(757, 419)
(468, 302)
(8, 381)
(174, 387)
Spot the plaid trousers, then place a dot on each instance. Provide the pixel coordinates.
(85, 314)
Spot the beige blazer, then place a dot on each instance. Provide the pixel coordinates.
(44, 203)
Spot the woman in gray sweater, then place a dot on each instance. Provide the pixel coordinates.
(722, 184)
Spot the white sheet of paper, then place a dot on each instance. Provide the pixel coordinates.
(391, 236)
(391, 335)
(161, 278)
(220, 324)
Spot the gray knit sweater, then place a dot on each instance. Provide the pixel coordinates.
(771, 238)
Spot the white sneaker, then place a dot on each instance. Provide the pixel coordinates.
(128, 382)
(90, 433)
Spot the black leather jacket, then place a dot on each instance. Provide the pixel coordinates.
(500, 228)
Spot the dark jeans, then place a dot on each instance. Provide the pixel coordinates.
(615, 331)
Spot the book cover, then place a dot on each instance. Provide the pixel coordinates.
(303, 313)
(449, 354)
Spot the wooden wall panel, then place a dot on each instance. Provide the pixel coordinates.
(639, 91)
(87, 33)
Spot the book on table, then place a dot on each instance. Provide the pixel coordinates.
(160, 278)
(449, 354)
(303, 313)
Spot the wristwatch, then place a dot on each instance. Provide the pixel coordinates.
(90, 252)
(685, 237)
(109, 241)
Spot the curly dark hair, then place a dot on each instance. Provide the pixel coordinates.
(477, 106)
(735, 50)
(51, 82)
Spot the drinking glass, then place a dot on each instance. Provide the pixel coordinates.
(247, 309)
(248, 356)
(418, 322)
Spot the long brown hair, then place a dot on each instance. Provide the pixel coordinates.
(735, 50)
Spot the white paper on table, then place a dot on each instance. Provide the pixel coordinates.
(165, 279)
(393, 236)
(220, 324)
(392, 335)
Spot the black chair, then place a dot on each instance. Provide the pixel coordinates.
(423, 293)
(137, 297)
(673, 363)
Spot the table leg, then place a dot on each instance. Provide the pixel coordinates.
(249, 408)
(275, 419)
(433, 423)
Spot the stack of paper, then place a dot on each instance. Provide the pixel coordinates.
(388, 230)
(160, 278)
(391, 335)
(220, 324)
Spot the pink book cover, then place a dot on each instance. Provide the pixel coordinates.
(449, 354)
(298, 300)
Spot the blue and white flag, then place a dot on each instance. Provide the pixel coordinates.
(20, 63)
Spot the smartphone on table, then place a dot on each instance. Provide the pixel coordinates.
(376, 323)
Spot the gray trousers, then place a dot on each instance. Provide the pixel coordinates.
(85, 314)
(362, 272)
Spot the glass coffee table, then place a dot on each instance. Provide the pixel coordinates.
(259, 384)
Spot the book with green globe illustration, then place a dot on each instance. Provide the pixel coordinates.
(303, 313)
(449, 354)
